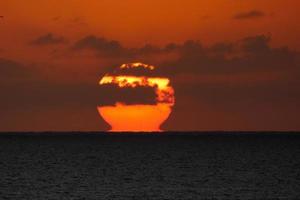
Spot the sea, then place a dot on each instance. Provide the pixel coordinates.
(138, 166)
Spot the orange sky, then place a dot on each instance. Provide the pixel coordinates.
(134, 23)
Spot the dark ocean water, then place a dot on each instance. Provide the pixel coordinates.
(172, 166)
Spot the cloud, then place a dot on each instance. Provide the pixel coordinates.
(49, 39)
(222, 48)
(254, 78)
(251, 55)
(23, 85)
(256, 44)
(101, 45)
(9, 67)
(112, 94)
(243, 84)
(253, 14)
(12, 71)
(112, 48)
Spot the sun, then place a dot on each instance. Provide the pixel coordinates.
(129, 113)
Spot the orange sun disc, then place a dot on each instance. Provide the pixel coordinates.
(138, 116)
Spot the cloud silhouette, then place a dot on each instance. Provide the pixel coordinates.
(112, 48)
(251, 55)
(112, 94)
(49, 39)
(12, 71)
(101, 45)
(253, 14)
(247, 80)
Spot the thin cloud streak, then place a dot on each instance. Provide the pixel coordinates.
(253, 14)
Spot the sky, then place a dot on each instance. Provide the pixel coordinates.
(234, 64)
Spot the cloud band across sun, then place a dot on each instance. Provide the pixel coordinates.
(136, 99)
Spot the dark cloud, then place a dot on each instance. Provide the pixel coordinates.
(104, 47)
(252, 54)
(24, 86)
(228, 83)
(111, 94)
(10, 68)
(29, 100)
(222, 48)
(101, 45)
(136, 71)
(12, 71)
(226, 106)
(249, 15)
(256, 44)
(43, 105)
(257, 83)
(247, 84)
(49, 39)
